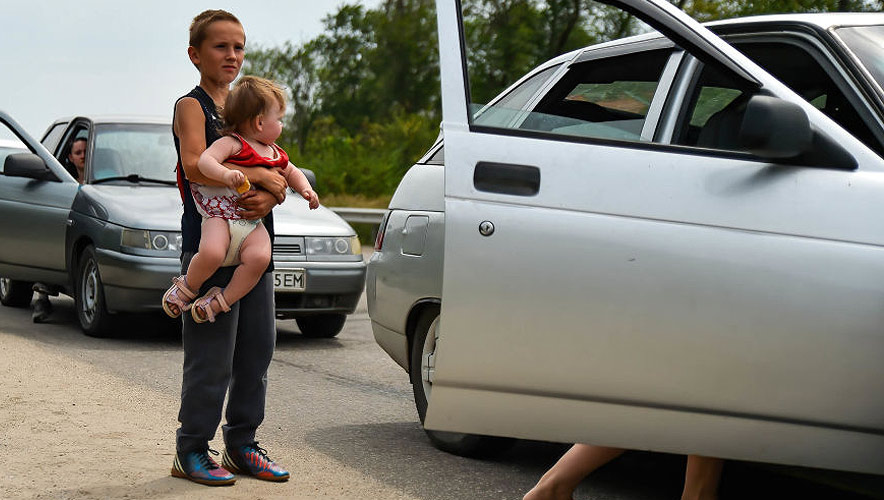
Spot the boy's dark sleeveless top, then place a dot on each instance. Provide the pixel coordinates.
(191, 219)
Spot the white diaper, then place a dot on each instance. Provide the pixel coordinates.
(239, 229)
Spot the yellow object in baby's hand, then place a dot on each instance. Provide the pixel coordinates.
(245, 186)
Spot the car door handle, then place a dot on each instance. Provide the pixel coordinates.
(505, 178)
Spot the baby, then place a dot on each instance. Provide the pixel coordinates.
(253, 112)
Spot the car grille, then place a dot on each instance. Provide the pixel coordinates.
(288, 249)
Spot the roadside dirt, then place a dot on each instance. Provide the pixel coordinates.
(69, 430)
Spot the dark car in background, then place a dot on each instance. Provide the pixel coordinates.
(113, 243)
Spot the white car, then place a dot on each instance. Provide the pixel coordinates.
(653, 243)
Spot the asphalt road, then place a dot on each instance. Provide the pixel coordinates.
(346, 399)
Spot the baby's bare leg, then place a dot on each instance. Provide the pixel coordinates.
(214, 240)
(254, 255)
(562, 479)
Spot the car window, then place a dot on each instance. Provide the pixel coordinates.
(714, 112)
(715, 109)
(137, 148)
(866, 43)
(804, 70)
(438, 157)
(605, 92)
(78, 131)
(603, 98)
(507, 108)
(53, 137)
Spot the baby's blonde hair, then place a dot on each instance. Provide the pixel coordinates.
(250, 97)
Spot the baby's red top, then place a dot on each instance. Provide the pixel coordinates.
(248, 157)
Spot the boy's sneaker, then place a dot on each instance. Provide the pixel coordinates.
(199, 467)
(250, 459)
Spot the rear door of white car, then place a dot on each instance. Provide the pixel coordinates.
(601, 286)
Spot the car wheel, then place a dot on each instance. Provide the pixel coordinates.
(89, 297)
(321, 326)
(15, 293)
(421, 372)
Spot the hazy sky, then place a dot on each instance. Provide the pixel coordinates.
(63, 58)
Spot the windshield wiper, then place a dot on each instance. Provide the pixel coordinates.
(134, 178)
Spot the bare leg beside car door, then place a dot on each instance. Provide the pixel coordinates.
(702, 474)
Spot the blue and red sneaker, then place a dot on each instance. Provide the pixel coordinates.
(199, 467)
(250, 459)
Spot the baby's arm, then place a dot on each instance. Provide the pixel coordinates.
(211, 159)
(298, 181)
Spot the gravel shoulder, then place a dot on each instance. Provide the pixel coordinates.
(71, 430)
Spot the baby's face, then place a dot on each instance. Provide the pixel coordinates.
(272, 124)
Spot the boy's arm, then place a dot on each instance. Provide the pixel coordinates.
(190, 126)
(298, 181)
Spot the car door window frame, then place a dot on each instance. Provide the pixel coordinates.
(64, 146)
(52, 139)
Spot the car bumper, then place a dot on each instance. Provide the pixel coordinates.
(134, 283)
(392, 342)
(331, 287)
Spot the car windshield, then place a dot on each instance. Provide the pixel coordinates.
(135, 150)
(866, 43)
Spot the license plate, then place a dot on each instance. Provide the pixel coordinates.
(290, 280)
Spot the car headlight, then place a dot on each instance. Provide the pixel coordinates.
(139, 241)
(336, 246)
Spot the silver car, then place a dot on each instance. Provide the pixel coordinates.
(670, 242)
(113, 243)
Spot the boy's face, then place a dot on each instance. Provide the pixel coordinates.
(220, 55)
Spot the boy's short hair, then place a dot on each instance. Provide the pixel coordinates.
(200, 25)
(250, 97)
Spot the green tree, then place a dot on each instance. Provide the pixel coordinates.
(365, 100)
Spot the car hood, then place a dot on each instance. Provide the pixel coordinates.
(160, 208)
(154, 207)
(294, 218)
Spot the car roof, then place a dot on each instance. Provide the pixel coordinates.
(104, 119)
(822, 20)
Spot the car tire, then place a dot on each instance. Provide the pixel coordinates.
(457, 443)
(15, 293)
(321, 326)
(89, 301)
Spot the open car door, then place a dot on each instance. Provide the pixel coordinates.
(606, 284)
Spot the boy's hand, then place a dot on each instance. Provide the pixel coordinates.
(273, 181)
(255, 204)
(312, 198)
(234, 179)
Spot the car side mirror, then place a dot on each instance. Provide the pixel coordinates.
(311, 177)
(28, 165)
(780, 130)
(774, 128)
